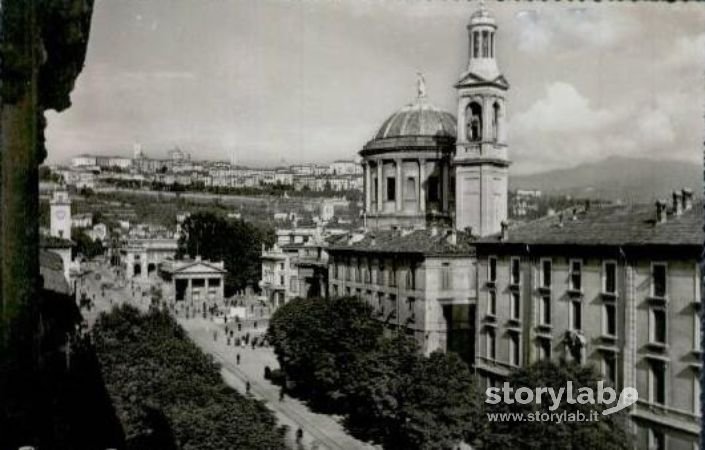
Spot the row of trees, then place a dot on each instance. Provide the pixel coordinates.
(336, 356)
(168, 394)
(339, 359)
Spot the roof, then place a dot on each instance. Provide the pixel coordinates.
(51, 268)
(422, 242)
(419, 119)
(623, 225)
(46, 241)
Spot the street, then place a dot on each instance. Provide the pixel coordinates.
(320, 431)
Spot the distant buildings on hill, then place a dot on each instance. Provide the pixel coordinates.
(90, 171)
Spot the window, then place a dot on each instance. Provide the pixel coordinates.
(411, 302)
(492, 269)
(410, 188)
(658, 280)
(609, 367)
(544, 349)
(411, 278)
(610, 277)
(432, 185)
(495, 121)
(380, 297)
(657, 440)
(514, 349)
(696, 327)
(657, 326)
(515, 305)
(393, 277)
(515, 275)
(576, 278)
(696, 394)
(609, 319)
(492, 302)
(380, 275)
(476, 44)
(657, 382)
(546, 273)
(348, 291)
(544, 310)
(485, 45)
(474, 122)
(446, 281)
(391, 189)
(281, 280)
(491, 343)
(576, 315)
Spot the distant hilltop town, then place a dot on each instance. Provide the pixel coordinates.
(178, 169)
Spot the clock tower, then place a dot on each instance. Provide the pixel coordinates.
(481, 161)
(60, 210)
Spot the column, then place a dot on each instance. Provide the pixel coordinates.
(380, 186)
(422, 190)
(446, 184)
(368, 186)
(189, 291)
(400, 185)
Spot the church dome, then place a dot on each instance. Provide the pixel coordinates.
(419, 124)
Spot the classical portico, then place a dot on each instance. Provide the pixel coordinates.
(407, 168)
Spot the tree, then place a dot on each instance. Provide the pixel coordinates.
(402, 399)
(85, 245)
(169, 394)
(319, 342)
(235, 242)
(337, 356)
(608, 432)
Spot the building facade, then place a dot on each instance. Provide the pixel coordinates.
(617, 288)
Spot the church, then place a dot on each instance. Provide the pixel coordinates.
(433, 184)
(614, 287)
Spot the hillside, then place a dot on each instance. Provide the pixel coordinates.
(628, 179)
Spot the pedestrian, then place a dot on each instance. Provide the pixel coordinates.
(255, 324)
(239, 327)
(237, 358)
(254, 342)
(281, 394)
(247, 388)
(299, 435)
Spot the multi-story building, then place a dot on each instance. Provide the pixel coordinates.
(345, 167)
(615, 287)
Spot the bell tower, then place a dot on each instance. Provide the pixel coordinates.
(60, 210)
(481, 161)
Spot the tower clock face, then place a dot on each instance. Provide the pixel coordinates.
(60, 215)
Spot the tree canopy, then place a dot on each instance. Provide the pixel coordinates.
(388, 391)
(235, 242)
(169, 394)
(608, 432)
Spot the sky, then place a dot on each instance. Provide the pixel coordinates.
(275, 82)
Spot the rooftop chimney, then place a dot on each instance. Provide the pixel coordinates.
(687, 195)
(505, 231)
(677, 203)
(660, 211)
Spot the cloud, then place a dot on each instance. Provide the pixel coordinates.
(688, 51)
(563, 110)
(544, 29)
(655, 127)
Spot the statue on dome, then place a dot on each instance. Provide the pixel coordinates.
(420, 85)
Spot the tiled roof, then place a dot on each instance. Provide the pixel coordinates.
(414, 242)
(622, 225)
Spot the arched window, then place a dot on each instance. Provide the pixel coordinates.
(495, 121)
(485, 44)
(475, 44)
(473, 115)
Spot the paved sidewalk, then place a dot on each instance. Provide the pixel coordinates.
(320, 430)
